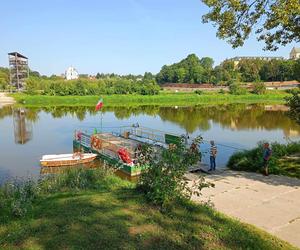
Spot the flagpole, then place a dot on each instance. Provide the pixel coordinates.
(101, 120)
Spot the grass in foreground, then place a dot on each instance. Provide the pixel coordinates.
(163, 99)
(114, 216)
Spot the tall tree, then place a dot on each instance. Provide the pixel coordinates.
(276, 22)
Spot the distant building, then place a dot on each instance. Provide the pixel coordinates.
(18, 69)
(236, 60)
(71, 74)
(295, 53)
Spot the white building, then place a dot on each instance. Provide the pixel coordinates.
(295, 53)
(71, 73)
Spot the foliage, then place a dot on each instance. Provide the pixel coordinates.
(276, 22)
(199, 92)
(259, 88)
(18, 196)
(189, 70)
(236, 89)
(221, 91)
(252, 160)
(163, 181)
(83, 86)
(4, 78)
(294, 103)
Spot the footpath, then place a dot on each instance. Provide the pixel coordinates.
(5, 100)
(271, 203)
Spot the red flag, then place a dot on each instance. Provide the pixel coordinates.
(99, 105)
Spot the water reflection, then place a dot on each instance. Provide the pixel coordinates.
(50, 130)
(22, 126)
(191, 119)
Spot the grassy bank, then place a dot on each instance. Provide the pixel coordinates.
(285, 159)
(108, 213)
(163, 99)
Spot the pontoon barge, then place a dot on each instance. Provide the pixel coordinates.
(119, 148)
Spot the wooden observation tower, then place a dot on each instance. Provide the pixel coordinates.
(18, 69)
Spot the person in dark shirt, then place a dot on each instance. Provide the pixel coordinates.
(267, 153)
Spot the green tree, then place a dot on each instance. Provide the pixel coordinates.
(294, 103)
(276, 22)
(207, 63)
(270, 71)
(250, 69)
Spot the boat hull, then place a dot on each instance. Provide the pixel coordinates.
(70, 162)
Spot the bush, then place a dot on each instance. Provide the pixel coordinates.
(221, 91)
(163, 181)
(259, 88)
(237, 89)
(17, 197)
(83, 86)
(198, 92)
(252, 160)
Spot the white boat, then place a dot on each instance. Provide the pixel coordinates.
(66, 159)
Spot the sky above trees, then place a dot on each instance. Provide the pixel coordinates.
(128, 36)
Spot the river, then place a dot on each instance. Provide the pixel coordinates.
(27, 134)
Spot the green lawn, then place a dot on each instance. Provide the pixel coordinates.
(163, 99)
(119, 218)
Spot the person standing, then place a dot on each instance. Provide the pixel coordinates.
(213, 155)
(267, 152)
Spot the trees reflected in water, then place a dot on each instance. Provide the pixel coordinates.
(232, 116)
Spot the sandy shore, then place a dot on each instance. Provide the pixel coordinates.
(5, 100)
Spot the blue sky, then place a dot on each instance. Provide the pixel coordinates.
(121, 36)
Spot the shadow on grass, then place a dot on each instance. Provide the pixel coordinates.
(121, 219)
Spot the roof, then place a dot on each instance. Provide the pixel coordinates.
(17, 54)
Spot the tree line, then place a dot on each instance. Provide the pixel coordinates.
(189, 70)
(200, 70)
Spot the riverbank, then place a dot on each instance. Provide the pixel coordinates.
(88, 212)
(163, 99)
(6, 100)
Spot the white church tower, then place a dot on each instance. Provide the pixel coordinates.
(71, 73)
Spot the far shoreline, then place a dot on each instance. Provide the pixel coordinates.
(165, 99)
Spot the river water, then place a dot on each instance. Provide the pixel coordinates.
(27, 134)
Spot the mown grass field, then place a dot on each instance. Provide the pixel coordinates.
(163, 99)
(115, 216)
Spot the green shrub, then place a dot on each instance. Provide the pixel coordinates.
(252, 160)
(163, 181)
(237, 89)
(259, 88)
(198, 92)
(83, 86)
(221, 91)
